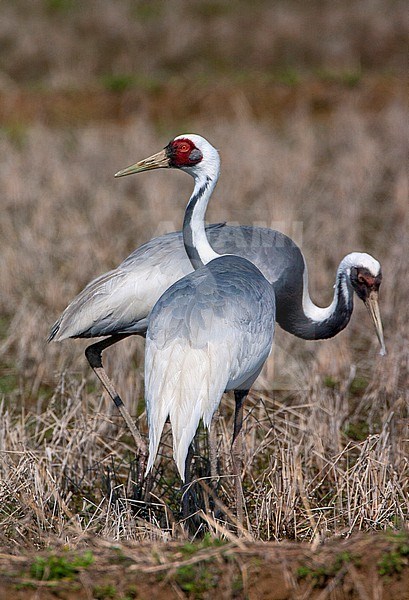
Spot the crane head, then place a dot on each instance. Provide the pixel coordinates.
(183, 152)
(366, 276)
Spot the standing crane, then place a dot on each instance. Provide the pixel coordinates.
(210, 331)
(116, 304)
(204, 311)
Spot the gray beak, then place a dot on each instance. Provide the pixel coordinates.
(373, 308)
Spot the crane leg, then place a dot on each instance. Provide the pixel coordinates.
(93, 354)
(237, 451)
(212, 437)
(187, 492)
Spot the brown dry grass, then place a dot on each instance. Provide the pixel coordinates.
(326, 430)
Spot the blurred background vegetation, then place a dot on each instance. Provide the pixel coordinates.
(181, 58)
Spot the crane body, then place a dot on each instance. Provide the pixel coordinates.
(209, 332)
(212, 330)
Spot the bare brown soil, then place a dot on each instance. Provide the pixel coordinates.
(362, 567)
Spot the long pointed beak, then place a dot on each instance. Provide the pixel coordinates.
(156, 161)
(373, 308)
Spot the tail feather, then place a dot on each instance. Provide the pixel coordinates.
(54, 331)
(157, 412)
(185, 384)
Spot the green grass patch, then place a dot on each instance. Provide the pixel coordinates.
(349, 77)
(213, 9)
(4, 327)
(118, 83)
(8, 383)
(16, 133)
(288, 76)
(26, 585)
(60, 6)
(53, 567)
(237, 585)
(122, 82)
(320, 575)
(197, 579)
(208, 541)
(394, 561)
(104, 592)
(358, 386)
(330, 382)
(148, 10)
(131, 593)
(358, 431)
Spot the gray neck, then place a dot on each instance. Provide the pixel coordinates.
(306, 320)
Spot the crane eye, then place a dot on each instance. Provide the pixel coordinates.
(361, 279)
(184, 148)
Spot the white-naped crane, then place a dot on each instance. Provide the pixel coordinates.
(212, 330)
(117, 304)
(209, 332)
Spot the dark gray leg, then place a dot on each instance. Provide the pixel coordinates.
(187, 493)
(237, 450)
(94, 356)
(212, 438)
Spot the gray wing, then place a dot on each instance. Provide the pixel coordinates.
(227, 299)
(209, 332)
(120, 301)
(271, 251)
(275, 254)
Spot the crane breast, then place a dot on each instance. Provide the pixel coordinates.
(209, 332)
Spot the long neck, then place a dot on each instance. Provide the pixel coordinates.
(195, 239)
(303, 318)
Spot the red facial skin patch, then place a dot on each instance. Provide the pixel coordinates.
(370, 281)
(183, 153)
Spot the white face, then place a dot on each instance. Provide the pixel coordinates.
(208, 165)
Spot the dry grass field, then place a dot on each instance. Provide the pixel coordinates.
(312, 132)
